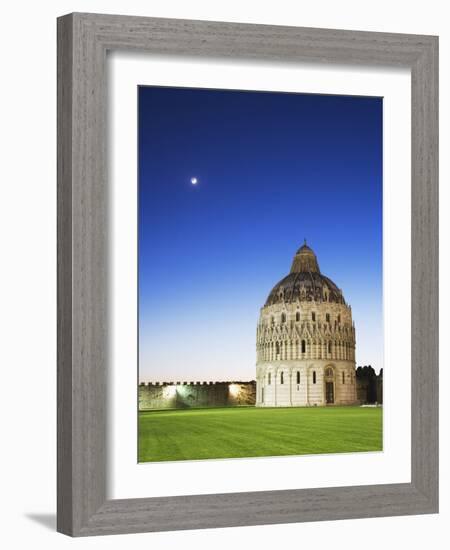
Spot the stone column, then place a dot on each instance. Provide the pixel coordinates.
(307, 386)
(275, 386)
(290, 386)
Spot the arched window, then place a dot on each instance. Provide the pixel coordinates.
(303, 346)
(314, 376)
(283, 317)
(329, 346)
(339, 318)
(329, 372)
(269, 378)
(272, 320)
(277, 348)
(313, 316)
(298, 377)
(327, 317)
(343, 377)
(297, 316)
(282, 377)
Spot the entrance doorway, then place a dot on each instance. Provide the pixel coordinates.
(329, 392)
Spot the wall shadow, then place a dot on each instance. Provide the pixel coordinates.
(46, 520)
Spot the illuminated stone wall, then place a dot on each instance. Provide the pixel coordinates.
(196, 394)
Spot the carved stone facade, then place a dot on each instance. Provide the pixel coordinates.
(305, 341)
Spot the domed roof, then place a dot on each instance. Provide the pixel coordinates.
(305, 282)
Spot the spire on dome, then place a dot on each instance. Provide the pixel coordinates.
(305, 260)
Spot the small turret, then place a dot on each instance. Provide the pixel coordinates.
(305, 261)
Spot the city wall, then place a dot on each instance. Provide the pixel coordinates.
(196, 394)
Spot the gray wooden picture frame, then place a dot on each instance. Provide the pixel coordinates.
(83, 41)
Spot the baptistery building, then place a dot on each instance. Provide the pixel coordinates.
(305, 341)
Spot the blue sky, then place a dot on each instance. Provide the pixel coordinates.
(272, 169)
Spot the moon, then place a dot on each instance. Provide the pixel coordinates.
(194, 181)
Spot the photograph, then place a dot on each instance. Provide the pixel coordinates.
(260, 246)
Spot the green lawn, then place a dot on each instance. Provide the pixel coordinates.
(248, 431)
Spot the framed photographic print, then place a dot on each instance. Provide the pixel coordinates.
(247, 274)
